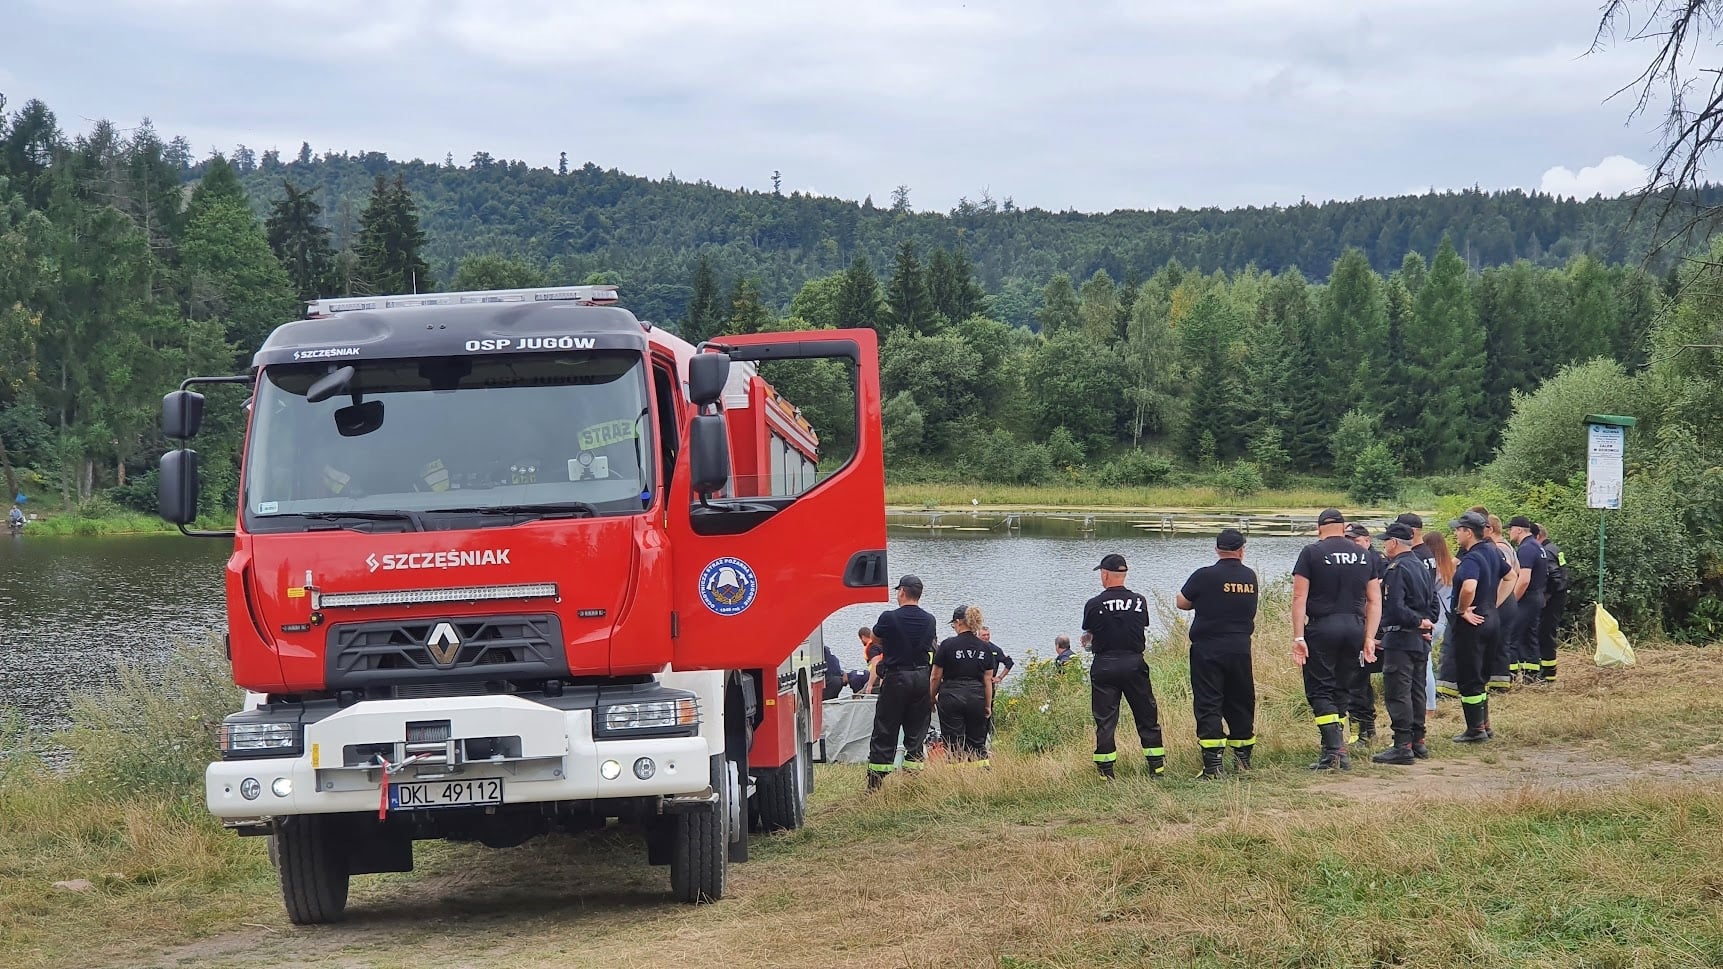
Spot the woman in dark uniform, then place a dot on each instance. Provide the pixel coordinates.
(961, 686)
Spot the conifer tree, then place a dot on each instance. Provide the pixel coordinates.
(390, 241)
(1445, 356)
(300, 241)
(858, 297)
(705, 316)
(908, 307)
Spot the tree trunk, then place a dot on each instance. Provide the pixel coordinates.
(6, 466)
(87, 480)
(120, 472)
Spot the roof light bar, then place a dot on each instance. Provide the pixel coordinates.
(408, 597)
(595, 295)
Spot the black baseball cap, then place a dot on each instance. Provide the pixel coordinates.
(910, 584)
(957, 615)
(1397, 530)
(1520, 521)
(1330, 516)
(1229, 540)
(1472, 520)
(1410, 519)
(1357, 530)
(1112, 563)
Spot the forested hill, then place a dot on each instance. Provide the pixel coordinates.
(647, 232)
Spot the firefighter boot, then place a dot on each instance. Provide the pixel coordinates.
(1477, 730)
(875, 780)
(1106, 769)
(1334, 755)
(1241, 756)
(1211, 764)
(1396, 754)
(1157, 764)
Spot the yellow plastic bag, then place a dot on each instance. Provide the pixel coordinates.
(1612, 647)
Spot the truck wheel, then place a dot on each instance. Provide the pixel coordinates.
(313, 869)
(781, 795)
(700, 856)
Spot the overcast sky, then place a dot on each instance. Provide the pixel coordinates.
(1086, 104)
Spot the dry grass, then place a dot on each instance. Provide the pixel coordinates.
(1562, 845)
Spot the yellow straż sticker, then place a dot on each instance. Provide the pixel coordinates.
(606, 434)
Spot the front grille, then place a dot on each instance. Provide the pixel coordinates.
(441, 651)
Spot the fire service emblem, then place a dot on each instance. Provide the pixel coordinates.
(727, 586)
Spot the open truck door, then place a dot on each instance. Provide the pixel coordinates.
(754, 575)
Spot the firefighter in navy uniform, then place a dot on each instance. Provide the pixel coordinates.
(907, 635)
(1555, 602)
(1361, 698)
(1223, 688)
(1523, 661)
(1474, 629)
(962, 687)
(1115, 625)
(1336, 605)
(1407, 618)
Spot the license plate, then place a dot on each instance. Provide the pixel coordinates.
(416, 795)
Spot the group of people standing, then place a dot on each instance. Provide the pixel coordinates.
(1356, 611)
(915, 673)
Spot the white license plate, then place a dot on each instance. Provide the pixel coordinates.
(416, 795)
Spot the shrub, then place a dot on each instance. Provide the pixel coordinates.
(1544, 439)
(1064, 449)
(1375, 475)
(1356, 432)
(1241, 480)
(1135, 469)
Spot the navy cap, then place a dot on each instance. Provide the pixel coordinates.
(910, 584)
(1111, 563)
(1330, 516)
(1397, 530)
(1472, 520)
(1520, 521)
(1410, 519)
(957, 615)
(1357, 530)
(1229, 540)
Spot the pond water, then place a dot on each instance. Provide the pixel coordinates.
(71, 609)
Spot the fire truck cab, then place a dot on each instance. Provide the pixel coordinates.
(513, 562)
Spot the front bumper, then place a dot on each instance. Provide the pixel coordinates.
(558, 759)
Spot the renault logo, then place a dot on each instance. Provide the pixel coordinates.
(444, 644)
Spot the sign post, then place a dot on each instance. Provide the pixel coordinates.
(1606, 438)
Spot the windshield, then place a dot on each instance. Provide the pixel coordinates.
(498, 435)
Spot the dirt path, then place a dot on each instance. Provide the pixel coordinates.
(562, 902)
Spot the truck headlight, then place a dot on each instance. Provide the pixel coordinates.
(260, 739)
(653, 715)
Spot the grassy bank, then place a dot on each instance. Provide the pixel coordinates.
(112, 522)
(1580, 838)
(1305, 497)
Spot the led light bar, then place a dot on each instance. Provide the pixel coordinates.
(408, 597)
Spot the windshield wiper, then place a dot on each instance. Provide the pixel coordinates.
(550, 509)
(412, 518)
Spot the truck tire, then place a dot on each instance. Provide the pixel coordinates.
(781, 794)
(313, 869)
(700, 853)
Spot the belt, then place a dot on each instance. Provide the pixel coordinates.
(904, 669)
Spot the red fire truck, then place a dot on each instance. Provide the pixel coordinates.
(514, 562)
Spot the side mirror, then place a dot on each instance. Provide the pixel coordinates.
(179, 486)
(708, 454)
(707, 374)
(182, 414)
(330, 384)
(357, 420)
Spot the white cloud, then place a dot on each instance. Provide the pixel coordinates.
(1611, 177)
